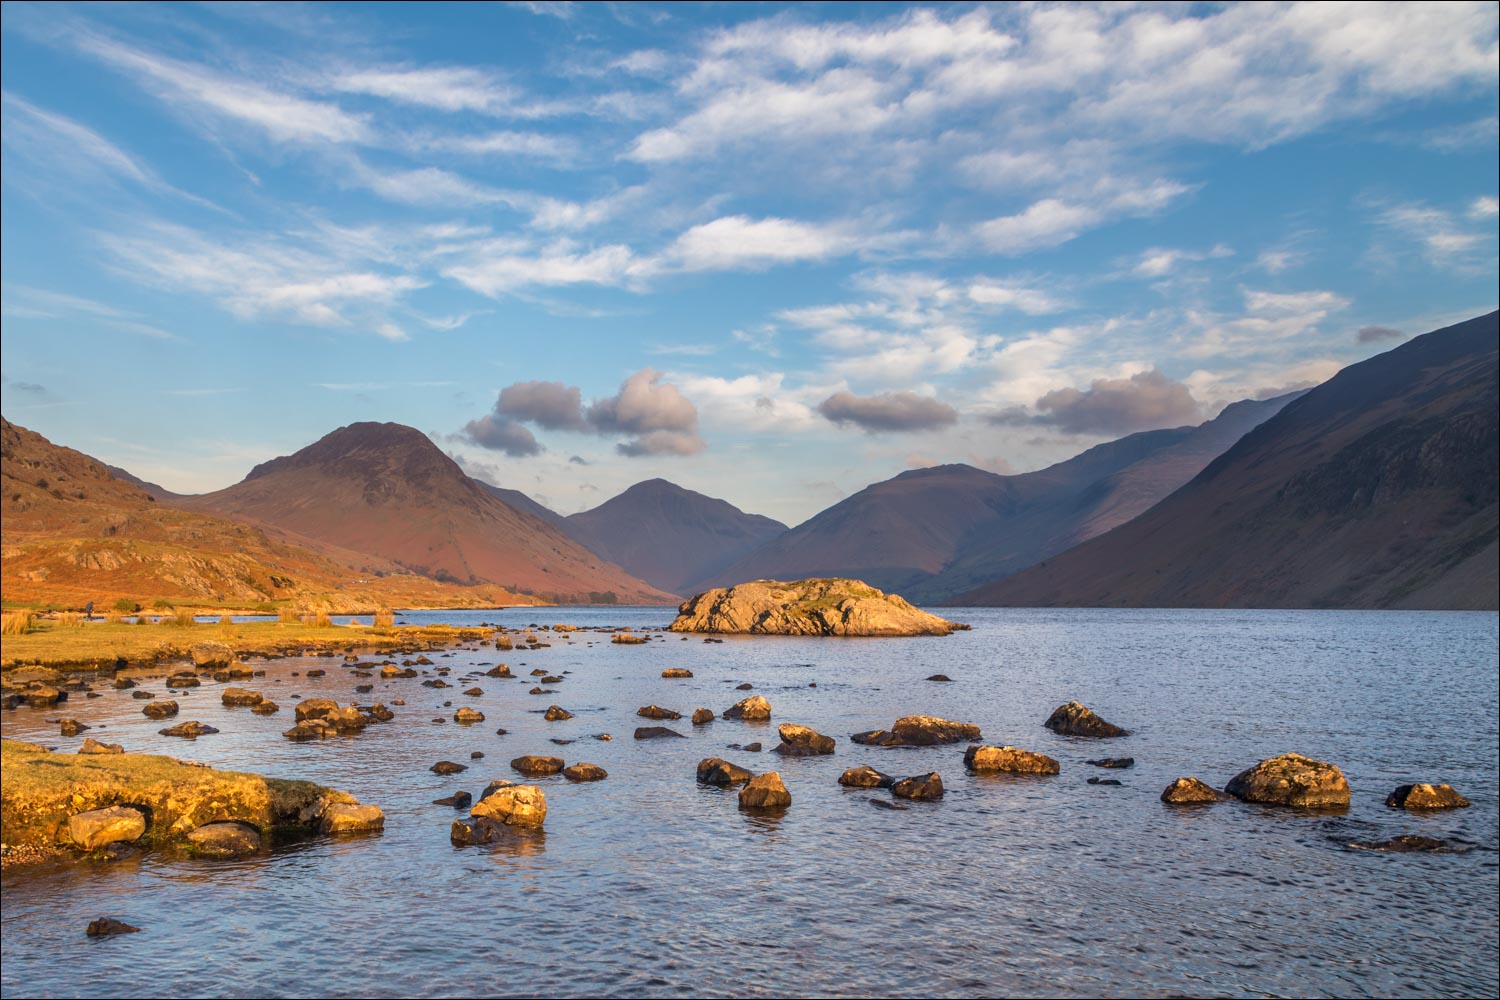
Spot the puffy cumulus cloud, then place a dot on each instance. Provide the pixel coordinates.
(1144, 401)
(644, 404)
(552, 405)
(888, 411)
(500, 434)
(654, 414)
(1377, 334)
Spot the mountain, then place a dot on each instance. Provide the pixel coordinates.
(523, 503)
(668, 536)
(932, 533)
(151, 489)
(75, 532)
(1377, 489)
(386, 489)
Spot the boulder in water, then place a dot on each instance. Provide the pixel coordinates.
(1073, 719)
(1011, 760)
(1422, 796)
(921, 788)
(800, 741)
(1190, 792)
(765, 792)
(1291, 780)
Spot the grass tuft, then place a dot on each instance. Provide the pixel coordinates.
(20, 623)
(385, 618)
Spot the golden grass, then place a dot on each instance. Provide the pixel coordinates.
(182, 619)
(113, 618)
(48, 645)
(385, 618)
(321, 619)
(19, 623)
(289, 616)
(69, 619)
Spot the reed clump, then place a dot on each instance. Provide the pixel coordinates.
(289, 616)
(18, 623)
(70, 619)
(320, 619)
(385, 618)
(182, 619)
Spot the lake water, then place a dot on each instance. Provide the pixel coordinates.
(649, 885)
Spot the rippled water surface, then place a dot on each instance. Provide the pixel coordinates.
(648, 885)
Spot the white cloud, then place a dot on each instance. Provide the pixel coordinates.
(738, 241)
(1484, 207)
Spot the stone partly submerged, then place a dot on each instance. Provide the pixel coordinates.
(919, 731)
(86, 802)
(1190, 792)
(1008, 760)
(1075, 719)
(504, 811)
(1292, 780)
(819, 607)
(765, 793)
(1423, 796)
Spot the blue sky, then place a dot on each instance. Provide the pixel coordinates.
(770, 253)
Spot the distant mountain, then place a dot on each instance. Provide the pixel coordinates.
(671, 537)
(1377, 489)
(75, 532)
(386, 489)
(932, 533)
(151, 489)
(523, 503)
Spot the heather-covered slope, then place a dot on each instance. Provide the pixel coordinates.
(386, 489)
(1377, 489)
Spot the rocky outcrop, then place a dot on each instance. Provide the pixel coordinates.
(1422, 796)
(717, 771)
(1190, 792)
(765, 792)
(800, 741)
(921, 788)
(919, 731)
(865, 776)
(212, 654)
(752, 709)
(1073, 719)
(1010, 760)
(1291, 780)
(817, 607)
(93, 829)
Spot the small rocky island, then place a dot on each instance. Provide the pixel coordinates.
(832, 607)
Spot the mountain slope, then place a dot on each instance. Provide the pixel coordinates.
(932, 533)
(386, 489)
(74, 532)
(523, 503)
(1377, 489)
(669, 536)
(151, 489)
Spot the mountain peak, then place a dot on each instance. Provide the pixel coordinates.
(367, 447)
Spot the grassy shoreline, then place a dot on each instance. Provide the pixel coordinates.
(101, 645)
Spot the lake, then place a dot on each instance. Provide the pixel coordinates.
(648, 884)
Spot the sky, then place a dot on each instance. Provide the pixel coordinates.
(772, 253)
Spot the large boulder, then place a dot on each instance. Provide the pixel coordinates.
(765, 792)
(752, 709)
(800, 741)
(1190, 792)
(534, 765)
(91, 830)
(922, 788)
(865, 776)
(513, 805)
(212, 654)
(315, 708)
(1422, 796)
(919, 731)
(226, 839)
(1291, 780)
(822, 607)
(346, 817)
(1073, 719)
(1012, 760)
(717, 771)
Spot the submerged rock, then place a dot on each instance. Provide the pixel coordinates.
(752, 709)
(922, 787)
(941, 678)
(458, 800)
(1009, 759)
(1073, 719)
(91, 830)
(535, 765)
(1190, 792)
(72, 727)
(656, 712)
(446, 767)
(1409, 843)
(800, 741)
(584, 772)
(1422, 796)
(105, 926)
(1096, 780)
(1117, 762)
(865, 776)
(765, 792)
(822, 607)
(225, 839)
(717, 771)
(1291, 780)
(656, 733)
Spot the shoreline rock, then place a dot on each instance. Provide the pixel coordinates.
(814, 607)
